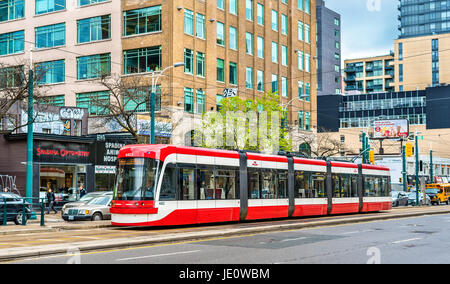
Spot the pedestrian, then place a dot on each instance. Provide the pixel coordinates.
(82, 191)
(51, 201)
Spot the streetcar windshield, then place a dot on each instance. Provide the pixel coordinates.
(136, 179)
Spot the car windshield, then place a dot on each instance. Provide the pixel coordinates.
(394, 194)
(432, 190)
(89, 196)
(101, 200)
(136, 179)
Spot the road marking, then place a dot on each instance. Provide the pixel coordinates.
(157, 255)
(408, 240)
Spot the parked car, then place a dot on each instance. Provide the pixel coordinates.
(95, 210)
(14, 208)
(413, 198)
(399, 198)
(85, 199)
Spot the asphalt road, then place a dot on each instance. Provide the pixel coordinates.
(416, 240)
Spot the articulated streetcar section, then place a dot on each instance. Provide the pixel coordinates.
(164, 185)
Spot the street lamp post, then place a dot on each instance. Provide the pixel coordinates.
(155, 77)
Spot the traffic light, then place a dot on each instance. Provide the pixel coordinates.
(409, 150)
(372, 157)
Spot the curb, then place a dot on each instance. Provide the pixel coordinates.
(78, 247)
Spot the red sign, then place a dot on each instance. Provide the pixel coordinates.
(61, 153)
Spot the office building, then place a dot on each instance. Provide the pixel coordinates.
(252, 46)
(370, 74)
(328, 50)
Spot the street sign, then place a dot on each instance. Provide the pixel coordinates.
(229, 92)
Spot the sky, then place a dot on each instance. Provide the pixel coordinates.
(369, 27)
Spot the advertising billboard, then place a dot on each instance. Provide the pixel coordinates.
(390, 129)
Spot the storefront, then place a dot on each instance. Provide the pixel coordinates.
(65, 165)
(106, 149)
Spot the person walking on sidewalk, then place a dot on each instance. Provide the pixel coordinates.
(51, 201)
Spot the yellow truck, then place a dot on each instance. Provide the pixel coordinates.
(438, 193)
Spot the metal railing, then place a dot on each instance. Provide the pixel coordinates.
(21, 209)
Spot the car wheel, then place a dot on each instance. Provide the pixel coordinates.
(97, 217)
(18, 219)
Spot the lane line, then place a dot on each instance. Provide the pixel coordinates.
(156, 255)
(408, 240)
(296, 239)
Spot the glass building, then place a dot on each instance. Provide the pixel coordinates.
(359, 111)
(419, 17)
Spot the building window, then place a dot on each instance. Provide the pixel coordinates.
(301, 64)
(284, 24)
(284, 55)
(93, 66)
(200, 101)
(274, 52)
(260, 81)
(307, 62)
(233, 7)
(249, 10)
(233, 38)
(307, 121)
(307, 33)
(88, 2)
(260, 14)
(300, 90)
(336, 22)
(50, 36)
(138, 99)
(55, 100)
(300, 30)
(188, 61)
(51, 72)
(260, 47)
(301, 120)
(233, 73)
(142, 60)
(12, 10)
(11, 77)
(274, 83)
(47, 6)
(188, 22)
(95, 102)
(93, 29)
(200, 22)
(400, 51)
(200, 64)
(308, 6)
(11, 43)
(249, 43)
(221, 4)
(188, 100)
(220, 70)
(220, 34)
(284, 87)
(249, 78)
(275, 20)
(400, 72)
(141, 21)
(307, 94)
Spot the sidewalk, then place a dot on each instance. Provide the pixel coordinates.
(186, 234)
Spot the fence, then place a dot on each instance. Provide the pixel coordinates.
(20, 209)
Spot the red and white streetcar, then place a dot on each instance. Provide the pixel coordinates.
(161, 185)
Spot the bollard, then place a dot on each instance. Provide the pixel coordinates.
(24, 214)
(42, 213)
(4, 212)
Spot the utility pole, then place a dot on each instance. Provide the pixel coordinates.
(405, 184)
(29, 188)
(363, 158)
(431, 167)
(416, 137)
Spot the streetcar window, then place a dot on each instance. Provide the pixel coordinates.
(267, 184)
(344, 185)
(169, 183)
(136, 179)
(375, 186)
(253, 184)
(309, 185)
(226, 184)
(187, 184)
(206, 184)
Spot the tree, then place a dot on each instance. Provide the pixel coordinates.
(246, 124)
(320, 145)
(14, 84)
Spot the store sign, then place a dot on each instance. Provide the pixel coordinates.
(107, 149)
(229, 93)
(61, 152)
